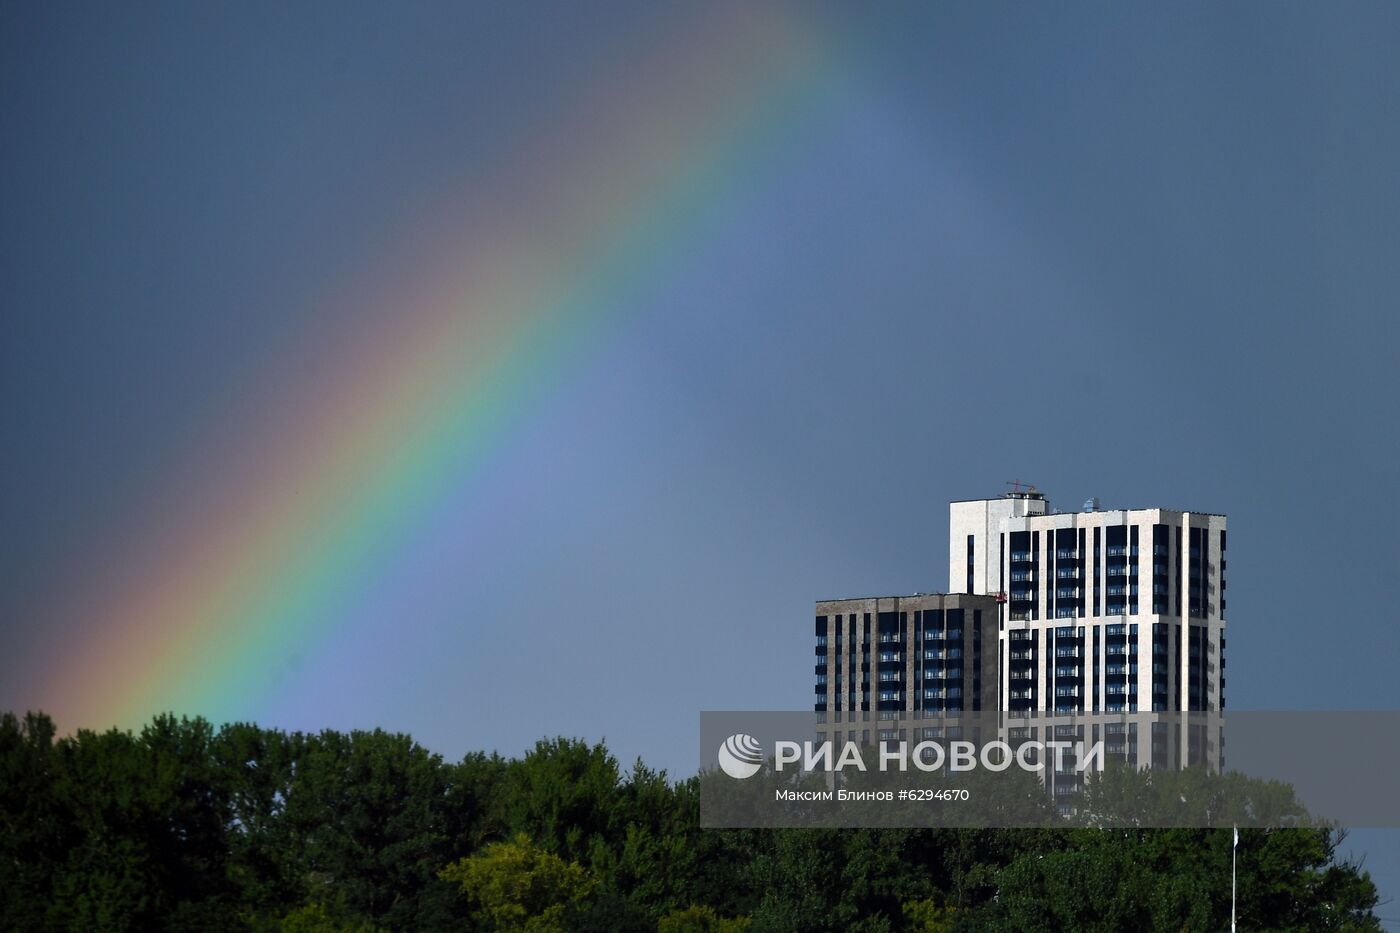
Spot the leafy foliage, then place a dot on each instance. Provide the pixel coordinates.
(701, 919)
(517, 886)
(1171, 879)
(186, 827)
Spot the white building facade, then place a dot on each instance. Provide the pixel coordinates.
(1112, 611)
(1101, 624)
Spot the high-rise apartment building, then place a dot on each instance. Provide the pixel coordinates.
(1118, 610)
(1081, 624)
(884, 661)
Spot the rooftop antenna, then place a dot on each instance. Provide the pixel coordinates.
(1016, 486)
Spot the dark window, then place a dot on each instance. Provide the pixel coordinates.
(971, 544)
(1023, 558)
(1098, 571)
(1161, 569)
(1180, 551)
(1195, 590)
(1001, 570)
(1132, 577)
(1118, 584)
(1035, 562)
(1083, 560)
(1222, 573)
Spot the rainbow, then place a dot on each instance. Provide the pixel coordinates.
(255, 560)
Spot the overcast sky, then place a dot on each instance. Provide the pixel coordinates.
(1142, 253)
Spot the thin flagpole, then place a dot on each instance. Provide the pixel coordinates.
(1233, 851)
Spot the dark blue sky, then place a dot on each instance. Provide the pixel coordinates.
(1142, 253)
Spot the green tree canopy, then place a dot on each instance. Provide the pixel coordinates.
(517, 887)
(184, 827)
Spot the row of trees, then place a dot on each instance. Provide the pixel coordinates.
(185, 827)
